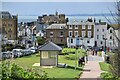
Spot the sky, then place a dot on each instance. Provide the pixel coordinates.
(39, 8)
(59, 0)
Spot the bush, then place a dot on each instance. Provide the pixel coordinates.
(71, 57)
(11, 71)
(100, 53)
(108, 76)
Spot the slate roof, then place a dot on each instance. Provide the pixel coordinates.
(50, 46)
(56, 26)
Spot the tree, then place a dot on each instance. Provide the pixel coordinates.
(40, 40)
(115, 60)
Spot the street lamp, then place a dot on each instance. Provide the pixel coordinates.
(82, 42)
(76, 57)
(105, 44)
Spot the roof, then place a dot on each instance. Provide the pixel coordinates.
(80, 23)
(56, 26)
(50, 46)
(5, 15)
(115, 26)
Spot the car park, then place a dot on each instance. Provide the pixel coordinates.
(26, 52)
(17, 53)
(5, 55)
(33, 49)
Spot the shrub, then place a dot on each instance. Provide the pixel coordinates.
(12, 71)
(71, 57)
(108, 76)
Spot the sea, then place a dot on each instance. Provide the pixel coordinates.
(72, 18)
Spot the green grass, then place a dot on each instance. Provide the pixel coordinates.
(104, 66)
(56, 72)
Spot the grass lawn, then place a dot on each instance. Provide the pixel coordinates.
(56, 72)
(104, 66)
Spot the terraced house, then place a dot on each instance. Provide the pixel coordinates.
(80, 34)
(57, 33)
(8, 27)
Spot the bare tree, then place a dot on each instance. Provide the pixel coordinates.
(115, 60)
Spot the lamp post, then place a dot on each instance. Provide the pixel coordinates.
(82, 42)
(76, 57)
(105, 44)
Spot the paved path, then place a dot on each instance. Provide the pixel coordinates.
(92, 69)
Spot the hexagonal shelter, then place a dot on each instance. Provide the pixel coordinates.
(49, 54)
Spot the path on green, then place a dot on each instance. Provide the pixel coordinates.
(92, 68)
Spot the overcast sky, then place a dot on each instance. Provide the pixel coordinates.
(38, 8)
(59, 0)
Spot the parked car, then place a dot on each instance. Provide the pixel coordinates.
(26, 52)
(33, 49)
(17, 53)
(5, 55)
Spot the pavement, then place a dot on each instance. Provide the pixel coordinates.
(91, 70)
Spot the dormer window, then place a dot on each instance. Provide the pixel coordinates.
(76, 26)
(83, 26)
(70, 26)
(110, 31)
(89, 26)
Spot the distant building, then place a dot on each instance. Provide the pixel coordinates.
(56, 33)
(80, 34)
(50, 19)
(8, 27)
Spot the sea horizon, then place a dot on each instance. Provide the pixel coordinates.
(71, 18)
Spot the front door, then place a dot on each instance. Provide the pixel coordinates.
(77, 41)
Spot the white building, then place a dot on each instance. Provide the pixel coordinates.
(104, 36)
(100, 33)
(80, 34)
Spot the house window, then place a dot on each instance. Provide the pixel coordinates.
(101, 42)
(89, 33)
(102, 36)
(76, 33)
(76, 26)
(51, 34)
(61, 33)
(110, 37)
(52, 54)
(83, 26)
(89, 26)
(71, 40)
(70, 33)
(44, 54)
(61, 40)
(10, 24)
(88, 41)
(102, 30)
(97, 36)
(97, 30)
(70, 26)
(110, 31)
(83, 33)
(110, 43)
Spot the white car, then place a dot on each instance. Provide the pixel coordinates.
(17, 52)
(33, 49)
